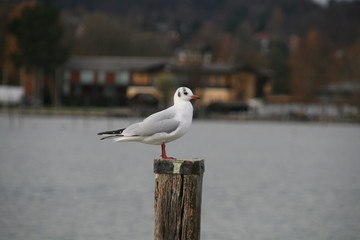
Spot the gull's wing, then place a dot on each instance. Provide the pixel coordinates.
(151, 128)
(160, 122)
(162, 115)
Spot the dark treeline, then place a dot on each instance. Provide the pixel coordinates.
(306, 45)
(339, 21)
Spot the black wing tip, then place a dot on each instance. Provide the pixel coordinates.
(119, 131)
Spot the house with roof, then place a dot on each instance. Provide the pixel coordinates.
(233, 82)
(102, 80)
(114, 80)
(223, 82)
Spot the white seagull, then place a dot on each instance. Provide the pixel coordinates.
(161, 127)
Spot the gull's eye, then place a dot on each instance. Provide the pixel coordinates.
(185, 93)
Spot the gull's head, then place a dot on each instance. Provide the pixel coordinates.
(184, 94)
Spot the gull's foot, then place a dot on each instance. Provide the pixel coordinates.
(166, 157)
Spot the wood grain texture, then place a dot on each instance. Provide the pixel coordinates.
(178, 205)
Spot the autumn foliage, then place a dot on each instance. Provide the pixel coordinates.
(309, 48)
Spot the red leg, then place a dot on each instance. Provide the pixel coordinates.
(163, 152)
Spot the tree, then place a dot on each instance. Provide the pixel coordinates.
(350, 71)
(309, 66)
(278, 56)
(165, 84)
(276, 22)
(246, 50)
(38, 33)
(105, 34)
(102, 34)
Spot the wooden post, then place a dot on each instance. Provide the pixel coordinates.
(178, 188)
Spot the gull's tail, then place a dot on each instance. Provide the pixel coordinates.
(112, 134)
(119, 131)
(116, 136)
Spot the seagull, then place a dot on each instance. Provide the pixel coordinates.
(161, 127)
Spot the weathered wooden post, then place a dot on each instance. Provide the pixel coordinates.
(178, 189)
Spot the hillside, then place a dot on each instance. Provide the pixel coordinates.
(298, 39)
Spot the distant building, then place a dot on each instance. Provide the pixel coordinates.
(113, 80)
(232, 82)
(107, 80)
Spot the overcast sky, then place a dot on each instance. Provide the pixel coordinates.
(324, 2)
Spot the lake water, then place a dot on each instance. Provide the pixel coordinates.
(263, 180)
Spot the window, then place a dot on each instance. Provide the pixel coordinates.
(122, 77)
(75, 76)
(110, 77)
(86, 76)
(141, 79)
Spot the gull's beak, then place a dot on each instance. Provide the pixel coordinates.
(195, 97)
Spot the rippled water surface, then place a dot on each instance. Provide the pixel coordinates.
(262, 181)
